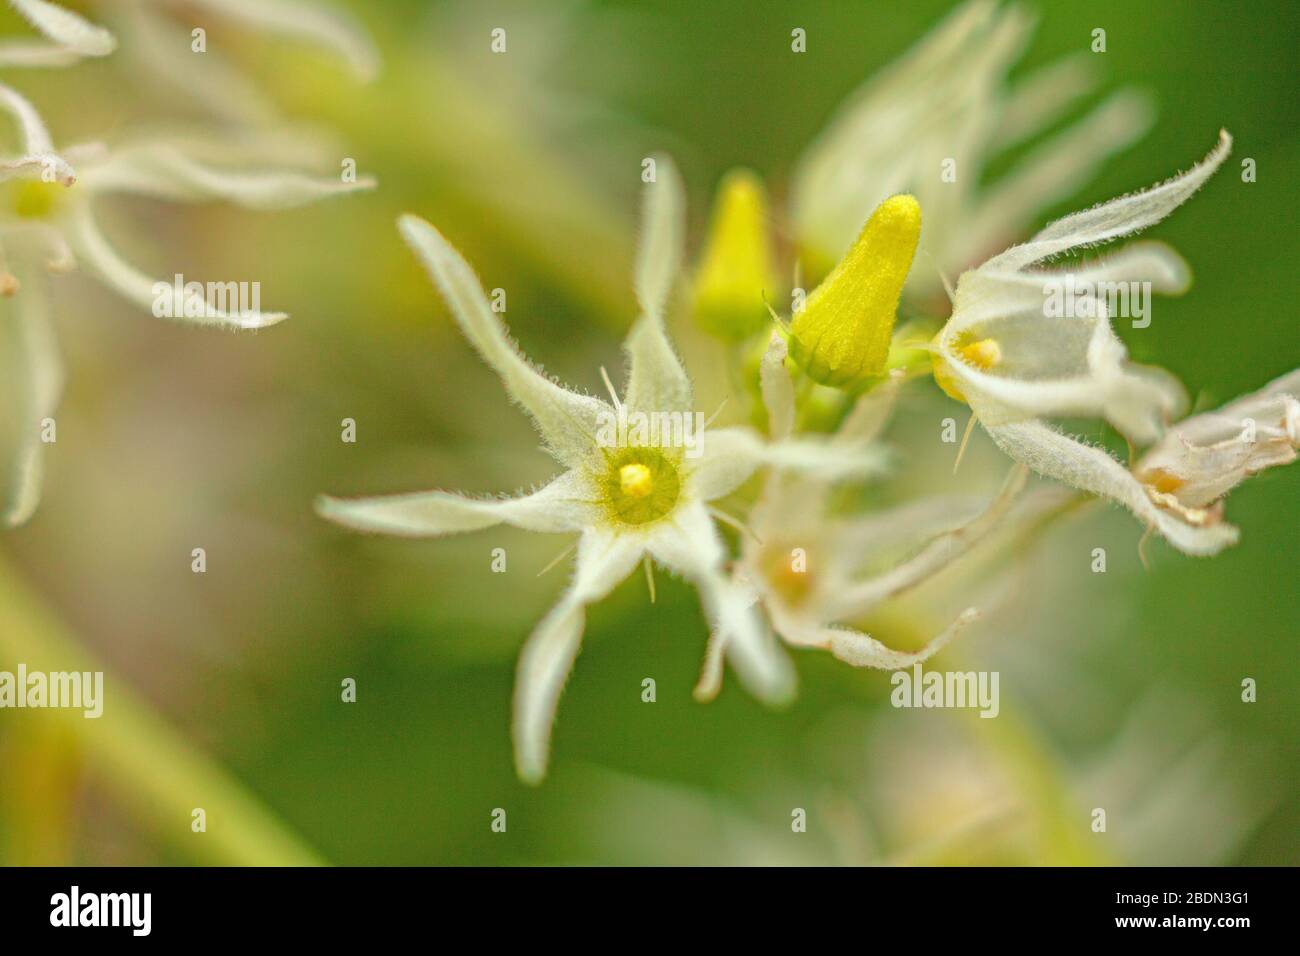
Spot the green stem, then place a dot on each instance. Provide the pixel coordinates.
(153, 770)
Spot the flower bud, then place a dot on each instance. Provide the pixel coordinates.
(841, 336)
(736, 267)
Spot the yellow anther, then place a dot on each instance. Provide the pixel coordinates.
(736, 266)
(983, 354)
(635, 480)
(842, 334)
(1165, 482)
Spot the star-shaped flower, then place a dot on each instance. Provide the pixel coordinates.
(1007, 352)
(640, 499)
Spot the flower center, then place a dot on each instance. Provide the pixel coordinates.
(640, 485)
(33, 198)
(982, 354)
(635, 480)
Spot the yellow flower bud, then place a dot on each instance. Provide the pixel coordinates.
(842, 334)
(736, 267)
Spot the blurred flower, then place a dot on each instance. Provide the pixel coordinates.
(164, 47)
(1204, 457)
(809, 566)
(48, 219)
(736, 264)
(1004, 353)
(930, 122)
(629, 500)
(72, 37)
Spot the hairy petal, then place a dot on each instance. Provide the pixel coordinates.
(561, 506)
(941, 552)
(603, 561)
(567, 421)
(99, 257)
(690, 546)
(657, 382)
(1055, 455)
(731, 455)
(38, 150)
(1119, 217)
(1204, 457)
(777, 388)
(863, 650)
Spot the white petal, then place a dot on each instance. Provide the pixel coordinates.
(1119, 217)
(941, 552)
(1062, 365)
(1039, 99)
(24, 53)
(729, 456)
(1056, 169)
(603, 561)
(863, 650)
(689, 545)
(38, 381)
(777, 388)
(659, 258)
(563, 505)
(871, 412)
(167, 173)
(162, 47)
(317, 23)
(38, 151)
(1211, 453)
(568, 422)
(100, 258)
(66, 28)
(657, 382)
(1055, 455)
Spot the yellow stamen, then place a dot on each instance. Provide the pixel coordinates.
(34, 198)
(841, 336)
(1165, 482)
(736, 267)
(635, 480)
(982, 354)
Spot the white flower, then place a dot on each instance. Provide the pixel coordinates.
(1015, 364)
(811, 567)
(929, 124)
(162, 45)
(629, 503)
(1204, 457)
(47, 220)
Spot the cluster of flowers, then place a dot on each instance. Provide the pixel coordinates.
(826, 377)
(48, 194)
